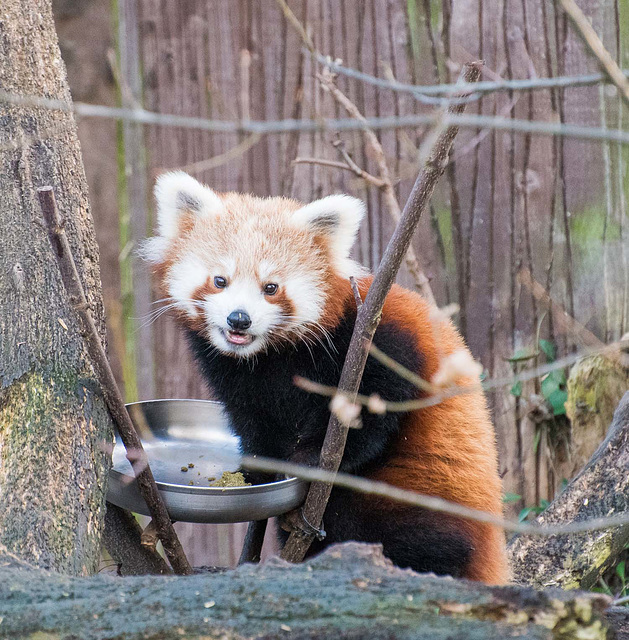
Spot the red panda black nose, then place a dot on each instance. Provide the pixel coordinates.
(239, 320)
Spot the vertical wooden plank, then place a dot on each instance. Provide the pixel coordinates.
(139, 337)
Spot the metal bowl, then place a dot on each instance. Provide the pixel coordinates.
(195, 435)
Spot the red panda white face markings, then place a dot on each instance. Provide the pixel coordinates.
(250, 273)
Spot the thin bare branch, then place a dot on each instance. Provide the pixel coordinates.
(387, 189)
(564, 320)
(275, 127)
(357, 296)
(130, 438)
(432, 503)
(528, 84)
(294, 21)
(223, 158)
(585, 30)
(335, 164)
(612, 350)
(402, 371)
(339, 145)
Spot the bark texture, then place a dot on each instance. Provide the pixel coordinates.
(53, 423)
(595, 387)
(122, 539)
(601, 489)
(350, 591)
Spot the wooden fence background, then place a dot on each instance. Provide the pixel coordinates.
(508, 201)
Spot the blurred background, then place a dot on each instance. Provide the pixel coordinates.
(510, 203)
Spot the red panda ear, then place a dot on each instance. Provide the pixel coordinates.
(178, 194)
(335, 217)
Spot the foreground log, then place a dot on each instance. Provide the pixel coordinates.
(600, 490)
(350, 591)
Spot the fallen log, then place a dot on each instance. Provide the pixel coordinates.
(349, 592)
(601, 489)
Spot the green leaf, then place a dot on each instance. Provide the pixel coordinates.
(554, 390)
(508, 498)
(524, 513)
(620, 571)
(522, 355)
(516, 389)
(549, 349)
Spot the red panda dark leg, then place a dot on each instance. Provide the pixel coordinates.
(411, 538)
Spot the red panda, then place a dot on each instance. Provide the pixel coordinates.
(261, 287)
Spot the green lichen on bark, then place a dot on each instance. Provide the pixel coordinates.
(600, 490)
(595, 386)
(59, 528)
(350, 592)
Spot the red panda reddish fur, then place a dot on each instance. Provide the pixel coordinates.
(446, 450)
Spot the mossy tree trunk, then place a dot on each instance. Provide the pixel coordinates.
(54, 426)
(600, 490)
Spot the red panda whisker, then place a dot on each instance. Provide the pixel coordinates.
(151, 317)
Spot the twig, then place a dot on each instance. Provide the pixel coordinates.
(294, 20)
(528, 84)
(401, 370)
(611, 351)
(617, 603)
(357, 296)
(563, 319)
(335, 164)
(275, 127)
(593, 42)
(367, 322)
(223, 158)
(403, 406)
(139, 462)
(339, 145)
(432, 503)
(386, 183)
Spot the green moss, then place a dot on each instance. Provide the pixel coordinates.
(53, 470)
(587, 228)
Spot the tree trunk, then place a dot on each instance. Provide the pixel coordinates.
(600, 490)
(349, 591)
(54, 427)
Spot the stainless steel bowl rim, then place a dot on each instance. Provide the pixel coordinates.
(180, 488)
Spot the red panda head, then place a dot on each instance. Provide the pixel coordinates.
(248, 272)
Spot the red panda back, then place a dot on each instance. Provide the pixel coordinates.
(447, 450)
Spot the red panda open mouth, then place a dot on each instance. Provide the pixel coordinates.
(238, 337)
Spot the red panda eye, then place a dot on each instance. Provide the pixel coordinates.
(220, 282)
(270, 289)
